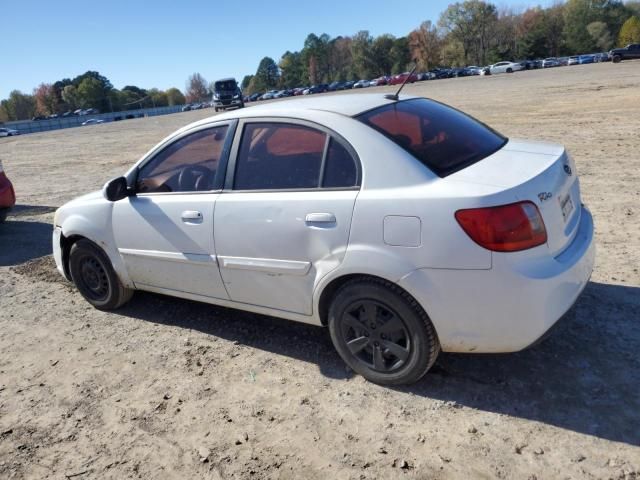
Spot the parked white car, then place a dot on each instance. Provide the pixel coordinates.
(404, 225)
(8, 132)
(505, 67)
(93, 121)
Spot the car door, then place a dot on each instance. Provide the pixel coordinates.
(164, 232)
(283, 220)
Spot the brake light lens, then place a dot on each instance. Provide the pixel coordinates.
(505, 228)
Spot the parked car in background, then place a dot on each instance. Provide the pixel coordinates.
(335, 86)
(349, 84)
(505, 67)
(574, 60)
(92, 121)
(361, 84)
(319, 88)
(550, 62)
(404, 241)
(602, 57)
(630, 52)
(400, 78)
(7, 195)
(255, 96)
(186, 108)
(269, 95)
(583, 59)
(227, 94)
(8, 132)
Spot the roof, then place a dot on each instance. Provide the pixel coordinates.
(349, 104)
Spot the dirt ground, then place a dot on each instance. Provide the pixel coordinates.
(166, 388)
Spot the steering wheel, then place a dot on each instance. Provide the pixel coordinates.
(194, 178)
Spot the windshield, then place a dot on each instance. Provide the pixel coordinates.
(226, 86)
(441, 137)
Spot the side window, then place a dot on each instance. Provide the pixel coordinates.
(187, 165)
(279, 156)
(340, 168)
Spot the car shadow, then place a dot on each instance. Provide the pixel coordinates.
(584, 377)
(21, 241)
(30, 210)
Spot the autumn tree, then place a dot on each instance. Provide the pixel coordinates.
(46, 99)
(19, 106)
(362, 54)
(197, 90)
(630, 32)
(425, 45)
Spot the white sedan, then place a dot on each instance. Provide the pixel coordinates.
(405, 226)
(505, 67)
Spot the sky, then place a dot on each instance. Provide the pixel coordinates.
(160, 43)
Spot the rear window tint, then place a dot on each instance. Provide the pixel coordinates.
(443, 138)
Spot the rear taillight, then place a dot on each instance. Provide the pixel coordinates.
(506, 228)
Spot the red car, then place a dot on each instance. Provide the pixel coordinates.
(7, 195)
(400, 78)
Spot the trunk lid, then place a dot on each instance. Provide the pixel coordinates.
(540, 172)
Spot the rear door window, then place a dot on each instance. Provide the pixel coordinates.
(279, 156)
(443, 138)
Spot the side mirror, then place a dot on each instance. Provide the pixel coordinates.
(116, 189)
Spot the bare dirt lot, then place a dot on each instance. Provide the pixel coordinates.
(166, 388)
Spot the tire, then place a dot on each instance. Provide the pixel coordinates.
(381, 332)
(509, 70)
(3, 214)
(95, 278)
(215, 109)
(616, 59)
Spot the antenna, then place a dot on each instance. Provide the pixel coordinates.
(391, 96)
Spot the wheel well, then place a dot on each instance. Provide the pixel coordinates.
(330, 290)
(65, 244)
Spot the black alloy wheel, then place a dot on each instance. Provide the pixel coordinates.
(376, 335)
(382, 332)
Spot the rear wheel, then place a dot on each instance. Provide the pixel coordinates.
(382, 333)
(95, 278)
(509, 70)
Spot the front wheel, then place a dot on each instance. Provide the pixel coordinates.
(617, 59)
(382, 333)
(95, 278)
(3, 214)
(509, 70)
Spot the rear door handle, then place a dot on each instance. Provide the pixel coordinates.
(320, 218)
(191, 215)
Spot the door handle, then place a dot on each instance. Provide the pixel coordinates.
(191, 215)
(320, 218)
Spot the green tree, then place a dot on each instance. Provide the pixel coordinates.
(291, 70)
(600, 34)
(630, 32)
(19, 106)
(471, 23)
(91, 93)
(400, 55)
(362, 54)
(245, 82)
(381, 54)
(158, 97)
(175, 97)
(266, 76)
(70, 97)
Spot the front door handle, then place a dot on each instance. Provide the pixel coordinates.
(320, 218)
(191, 215)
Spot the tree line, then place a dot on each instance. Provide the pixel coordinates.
(472, 32)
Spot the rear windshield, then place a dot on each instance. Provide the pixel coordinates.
(228, 86)
(443, 138)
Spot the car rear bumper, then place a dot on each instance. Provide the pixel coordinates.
(510, 306)
(7, 194)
